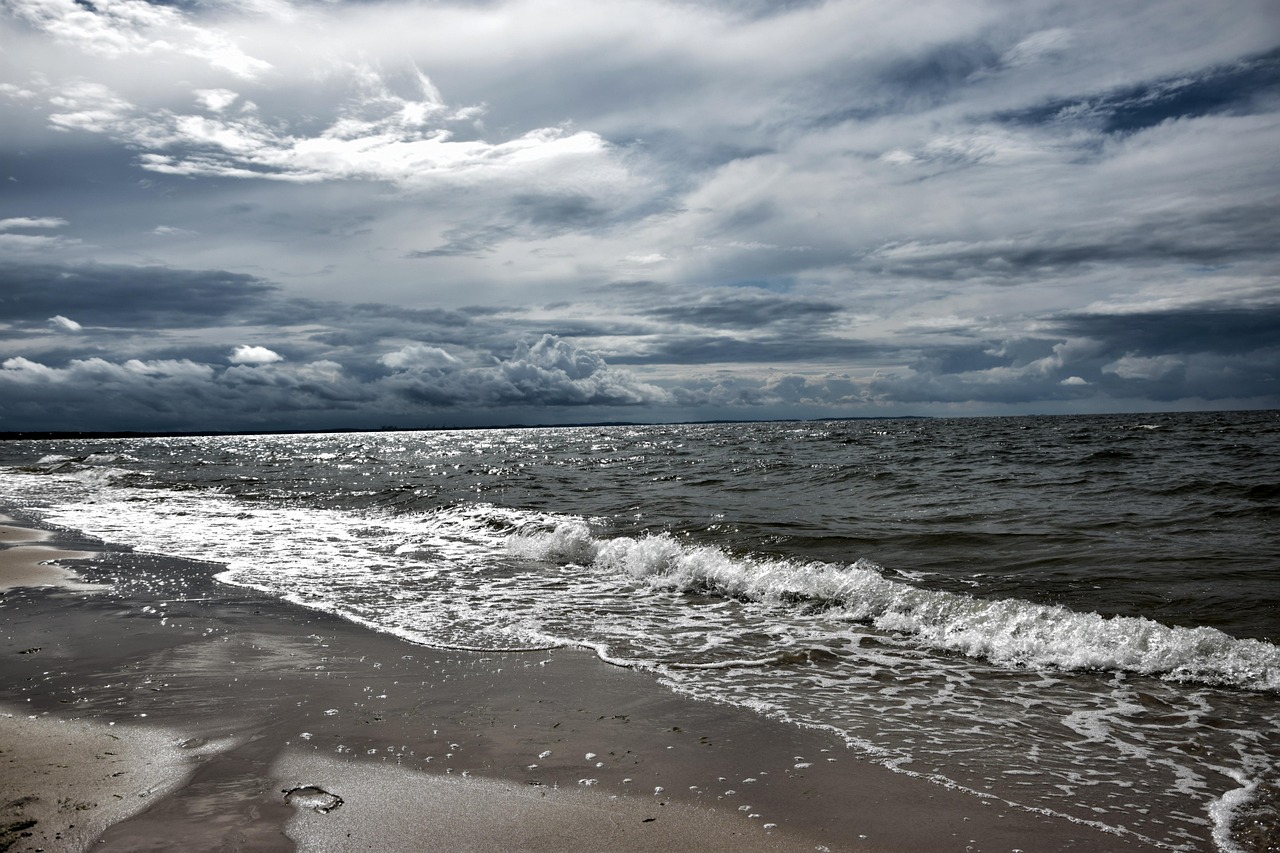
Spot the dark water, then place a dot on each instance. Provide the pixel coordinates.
(1075, 614)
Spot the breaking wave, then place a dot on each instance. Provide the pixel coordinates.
(1007, 632)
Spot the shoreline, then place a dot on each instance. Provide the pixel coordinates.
(249, 697)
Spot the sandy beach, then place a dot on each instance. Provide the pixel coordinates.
(167, 705)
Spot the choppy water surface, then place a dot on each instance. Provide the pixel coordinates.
(1073, 614)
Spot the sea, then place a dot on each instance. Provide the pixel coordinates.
(1076, 615)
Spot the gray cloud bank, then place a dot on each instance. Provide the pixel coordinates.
(133, 363)
(457, 213)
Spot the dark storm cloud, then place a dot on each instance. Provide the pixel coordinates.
(418, 382)
(468, 242)
(139, 297)
(749, 216)
(705, 349)
(1221, 329)
(933, 75)
(686, 153)
(1243, 87)
(739, 310)
(423, 316)
(760, 8)
(1207, 352)
(942, 360)
(904, 84)
(528, 216)
(552, 213)
(1195, 235)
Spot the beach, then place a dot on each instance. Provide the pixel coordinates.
(141, 701)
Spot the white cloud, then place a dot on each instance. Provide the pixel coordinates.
(1038, 47)
(33, 244)
(418, 357)
(1143, 367)
(253, 355)
(645, 259)
(25, 371)
(17, 92)
(119, 28)
(90, 107)
(248, 148)
(169, 369)
(216, 100)
(24, 222)
(94, 372)
(898, 157)
(64, 323)
(375, 135)
(549, 372)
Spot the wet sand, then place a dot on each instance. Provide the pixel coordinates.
(230, 717)
(24, 564)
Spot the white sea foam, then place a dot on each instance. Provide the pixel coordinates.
(1226, 809)
(52, 459)
(1008, 632)
(99, 475)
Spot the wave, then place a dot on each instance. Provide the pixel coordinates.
(93, 469)
(1006, 632)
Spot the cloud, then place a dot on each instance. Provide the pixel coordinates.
(122, 28)
(549, 372)
(254, 355)
(714, 208)
(94, 108)
(1241, 87)
(129, 296)
(421, 383)
(418, 357)
(1198, 327)
(19, 244)
(373, 134)
(1143, 367)
(466, 241)
(31, 244)
(747, 308)
(172, 394)
(60, 322)
(216, 100)
(24, 222)
(1039, 47)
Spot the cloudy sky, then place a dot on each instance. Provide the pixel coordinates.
(255, 214)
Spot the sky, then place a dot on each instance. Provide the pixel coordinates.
(316, 214)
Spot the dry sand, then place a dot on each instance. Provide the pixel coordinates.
(232, 700)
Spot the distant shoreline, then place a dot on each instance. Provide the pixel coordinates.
(56, 435)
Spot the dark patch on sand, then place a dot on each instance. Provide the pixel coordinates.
(312, 797)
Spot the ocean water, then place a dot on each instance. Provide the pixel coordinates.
(1077, 615)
